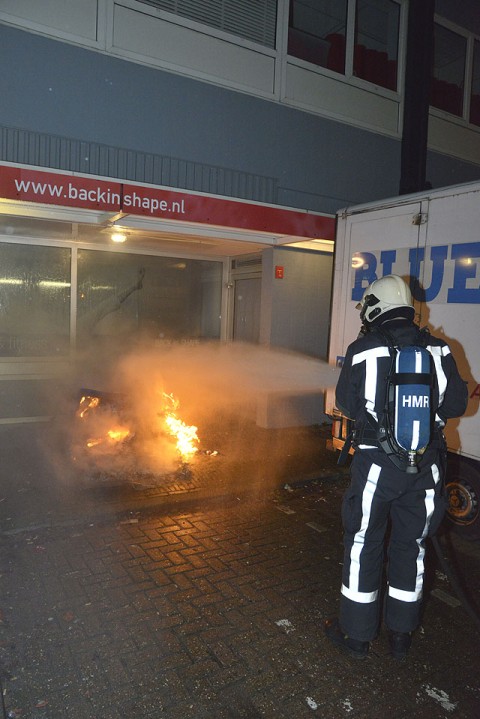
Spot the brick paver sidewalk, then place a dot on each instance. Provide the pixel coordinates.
(215, 612)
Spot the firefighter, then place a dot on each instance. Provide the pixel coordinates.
(383, 500)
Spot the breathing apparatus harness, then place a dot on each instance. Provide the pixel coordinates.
(404, 428)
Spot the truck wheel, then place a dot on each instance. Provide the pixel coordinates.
(463, 495)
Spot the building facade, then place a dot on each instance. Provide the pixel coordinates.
(263, 117)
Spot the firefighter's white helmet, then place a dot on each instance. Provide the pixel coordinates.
(387, 293)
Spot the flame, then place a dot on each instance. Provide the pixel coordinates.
(94, 442)
(186, 435)
(117, 434)
(90, 402)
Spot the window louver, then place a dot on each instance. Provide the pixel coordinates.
(253, 20)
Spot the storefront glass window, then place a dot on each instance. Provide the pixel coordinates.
(34, 301)
(475, 96)
(133, 299)
(448, 70)
(376, 42)
(317, 30)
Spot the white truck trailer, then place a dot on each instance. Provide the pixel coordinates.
(432, 240)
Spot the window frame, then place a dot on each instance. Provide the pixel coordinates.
(347, 76)
(470, 38)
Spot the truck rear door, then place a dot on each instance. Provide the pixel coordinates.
(371, 242)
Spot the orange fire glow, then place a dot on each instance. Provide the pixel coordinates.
(114, 435)
(87, 403)
(118, 434)
(185, 435)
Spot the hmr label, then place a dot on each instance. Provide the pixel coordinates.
(414, 400)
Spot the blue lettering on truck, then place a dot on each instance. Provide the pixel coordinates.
(464, 287)
(465, 269)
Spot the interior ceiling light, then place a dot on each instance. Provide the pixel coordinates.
(118, 237)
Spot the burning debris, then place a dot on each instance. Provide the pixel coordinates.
(100, 414)
(138, 435)
(112, 439)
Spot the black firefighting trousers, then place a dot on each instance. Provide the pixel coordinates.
(382, 499)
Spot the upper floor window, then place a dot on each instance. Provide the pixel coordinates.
(448, 78)
(319, 33)
(254, 20)
(454, 60)
(375, 49)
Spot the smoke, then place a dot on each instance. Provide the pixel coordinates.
(218, 388)
(214, 375)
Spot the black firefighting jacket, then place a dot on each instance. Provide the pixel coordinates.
(362, 384)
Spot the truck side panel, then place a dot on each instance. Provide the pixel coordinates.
(435, 238)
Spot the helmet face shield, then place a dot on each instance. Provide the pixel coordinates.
(382, 295)
(368, 302)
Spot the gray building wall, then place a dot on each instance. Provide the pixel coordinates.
(295, 314)
(296, 308)
(70, 108)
